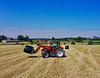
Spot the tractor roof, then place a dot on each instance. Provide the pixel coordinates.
(56, 42)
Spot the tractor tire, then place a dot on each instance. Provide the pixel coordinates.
(60, 53)
(45, 54)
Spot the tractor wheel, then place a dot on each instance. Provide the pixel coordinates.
(60, 52)
(45, 54)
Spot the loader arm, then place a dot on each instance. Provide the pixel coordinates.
(43, 46)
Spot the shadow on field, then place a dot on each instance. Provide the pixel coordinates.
(57, 57)
(48, 57)
(32, 56)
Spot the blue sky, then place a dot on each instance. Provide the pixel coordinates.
(47, 18)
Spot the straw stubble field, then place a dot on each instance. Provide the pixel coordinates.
(81, 61)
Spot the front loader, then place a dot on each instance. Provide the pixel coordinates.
(53, 50)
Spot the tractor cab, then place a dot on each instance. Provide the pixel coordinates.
(53, 45)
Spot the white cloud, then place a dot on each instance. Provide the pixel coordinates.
(9, 28)
(49, 33)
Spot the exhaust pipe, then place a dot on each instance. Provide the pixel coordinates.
(29, 49)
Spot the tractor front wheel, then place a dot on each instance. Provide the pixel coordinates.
(60, 53)
(45, 54)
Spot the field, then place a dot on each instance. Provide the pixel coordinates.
(81, 61)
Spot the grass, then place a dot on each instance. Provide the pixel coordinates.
(96, 40)
(86, 41)
(35, 41)
(81, 61)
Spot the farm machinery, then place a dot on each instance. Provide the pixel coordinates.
(53, 50)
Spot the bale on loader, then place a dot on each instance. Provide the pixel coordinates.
(28, 49)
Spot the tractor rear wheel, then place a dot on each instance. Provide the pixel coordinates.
(60, 52)
(45, 54)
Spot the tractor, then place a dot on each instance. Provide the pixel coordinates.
(53, 50)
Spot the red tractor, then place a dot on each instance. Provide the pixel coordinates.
(53, 50)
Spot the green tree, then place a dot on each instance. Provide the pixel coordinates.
(11, 38)
(90, 42)
(53, 38)
(66, 39)
(2, 37)
(30, 40)
(73, 42)
(21, 37)
(79, 39)
(27, 38)
(0, 40)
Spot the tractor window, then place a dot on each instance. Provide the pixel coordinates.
(55, 44)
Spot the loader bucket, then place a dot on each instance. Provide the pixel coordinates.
(29, 49)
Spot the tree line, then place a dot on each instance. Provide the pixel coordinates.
(19, 37)
(78, 39)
